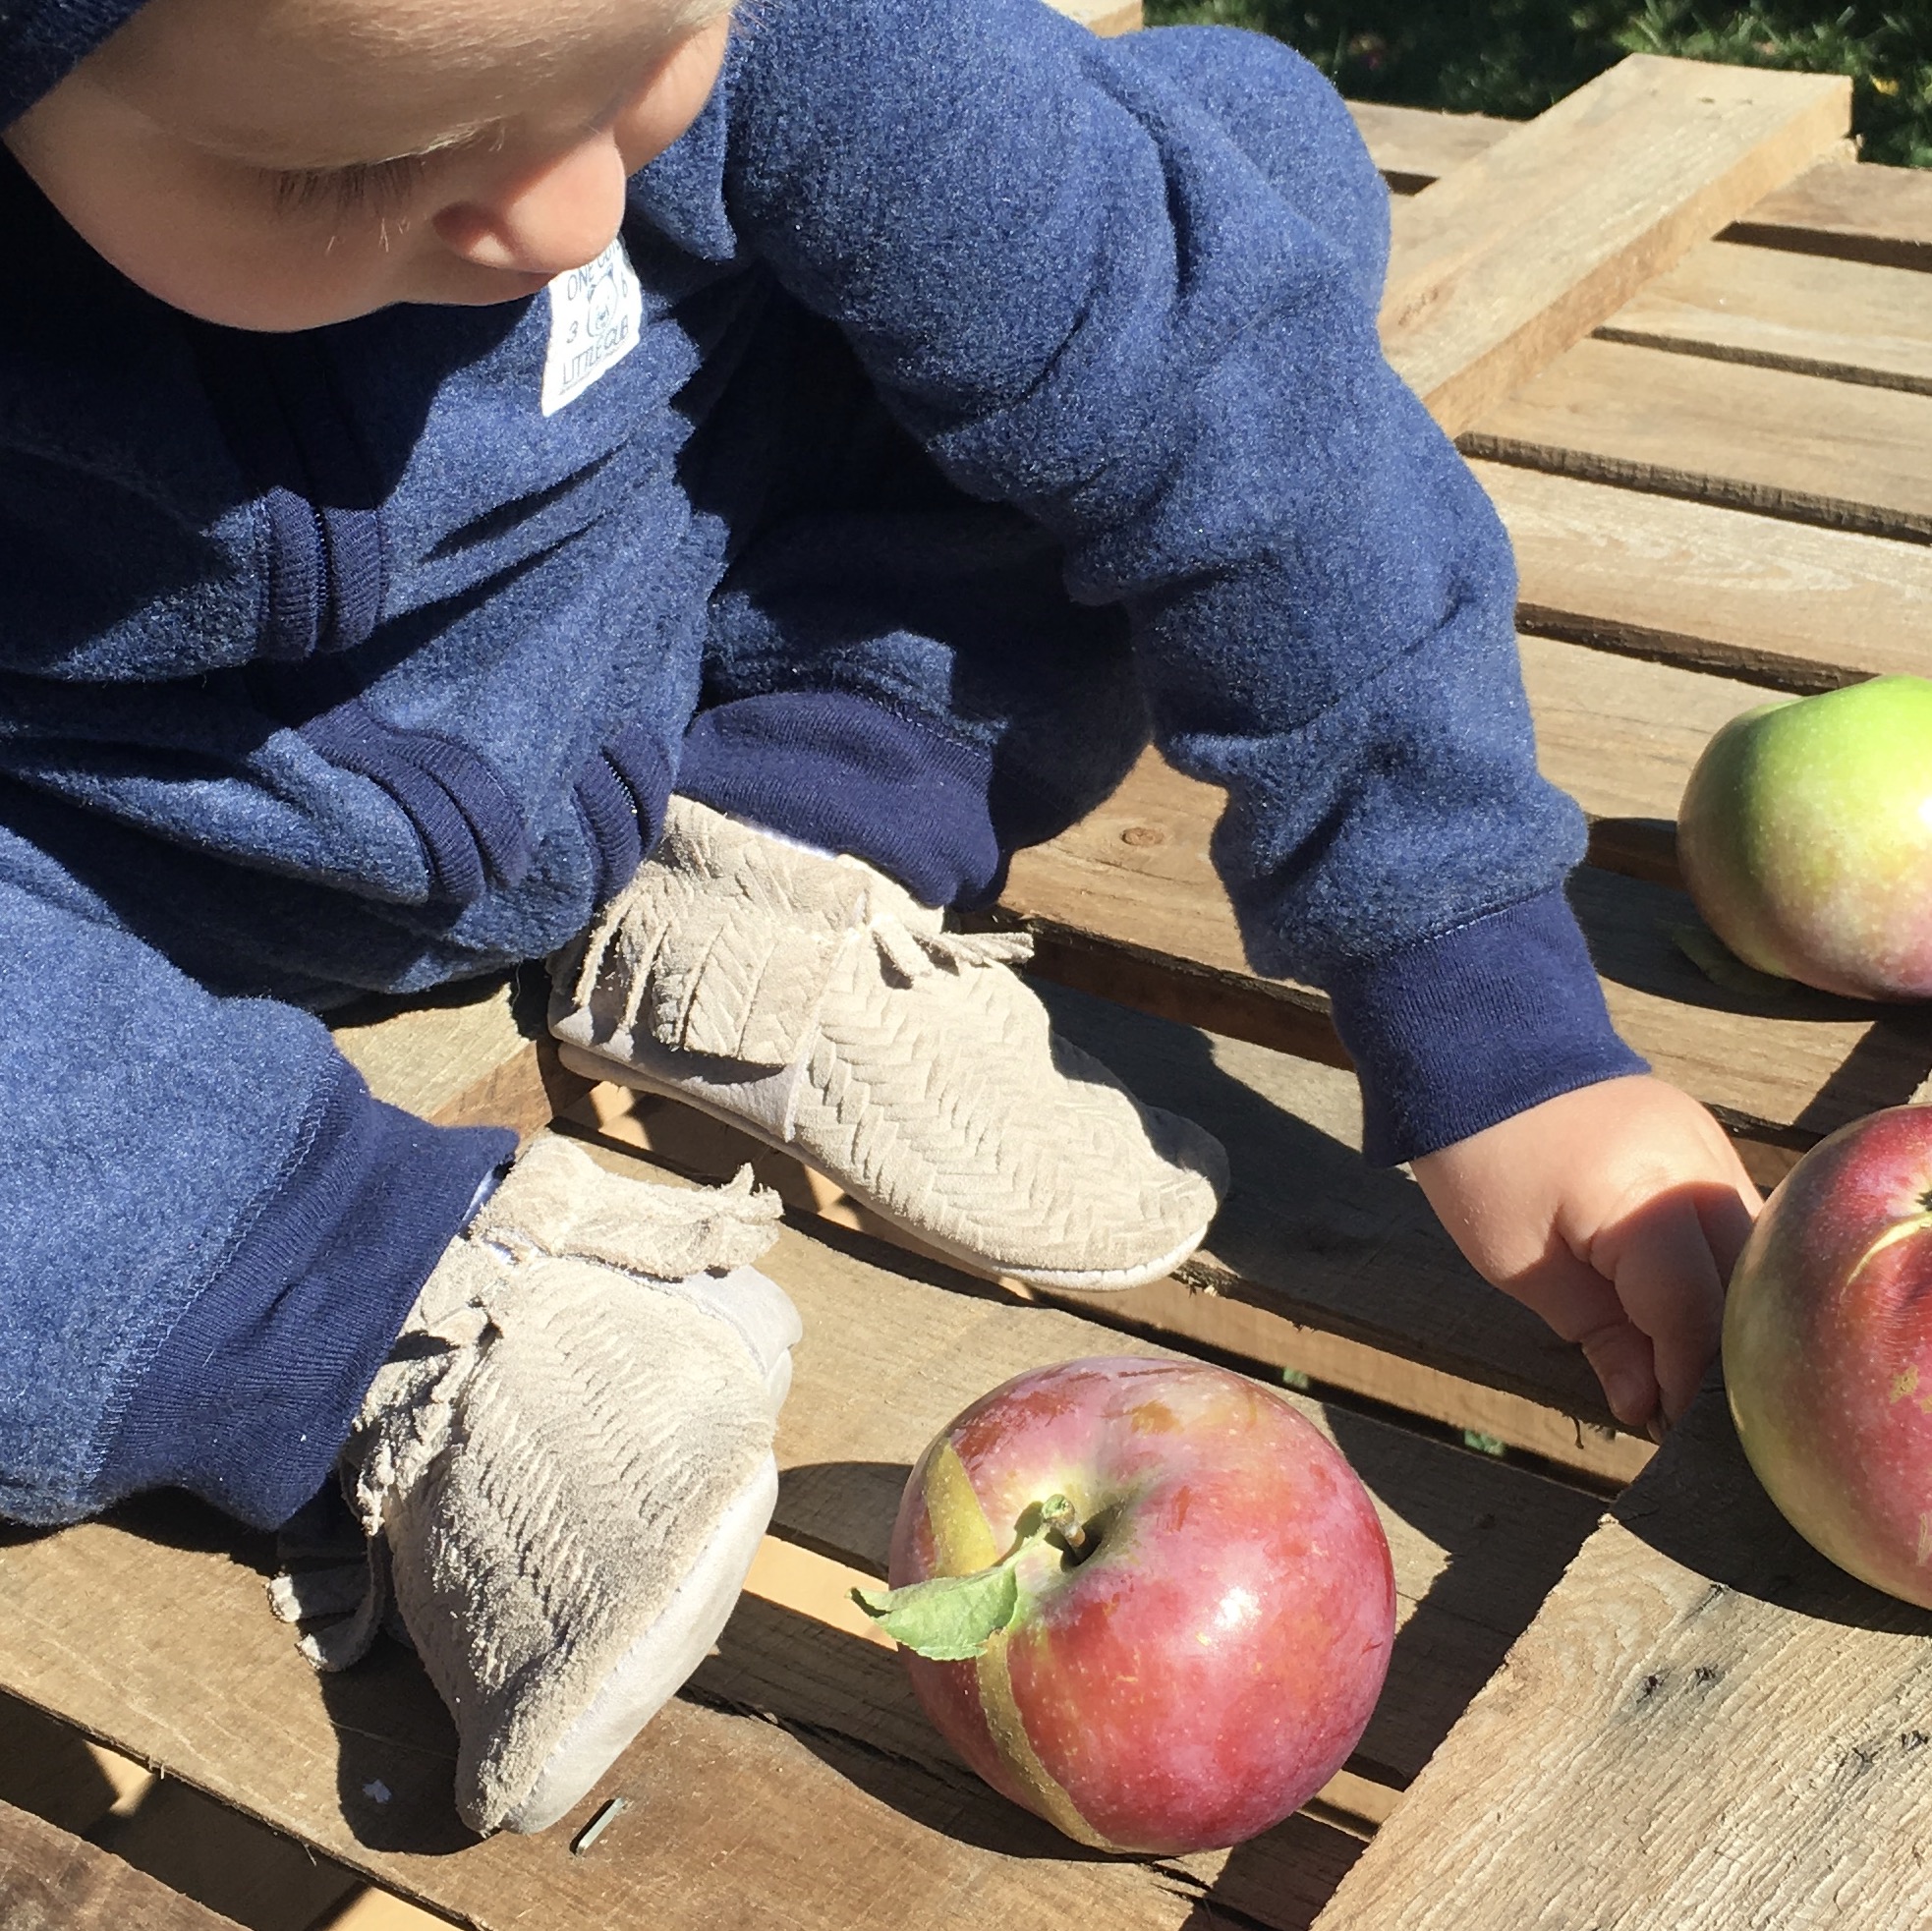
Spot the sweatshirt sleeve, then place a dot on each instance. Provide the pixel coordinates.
(213, 1230)
(1130, 288)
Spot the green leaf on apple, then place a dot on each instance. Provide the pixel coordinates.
(948, 1618)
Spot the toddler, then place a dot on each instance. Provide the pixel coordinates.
(687, 496)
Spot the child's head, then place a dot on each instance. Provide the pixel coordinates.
(281, 164)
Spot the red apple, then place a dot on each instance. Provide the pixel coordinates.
(1806, 838)
(1828, 1349)
(1197, 1649)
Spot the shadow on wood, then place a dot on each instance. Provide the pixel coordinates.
(1700, 1505)
(788, 1668)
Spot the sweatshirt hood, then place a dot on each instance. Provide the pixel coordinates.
(41, 41)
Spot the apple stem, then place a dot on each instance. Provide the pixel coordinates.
(1063, 1519)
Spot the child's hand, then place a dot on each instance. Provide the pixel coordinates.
(1615, 1212)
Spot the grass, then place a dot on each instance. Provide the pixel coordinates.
(1514, 57)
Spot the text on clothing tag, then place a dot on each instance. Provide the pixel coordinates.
(597, 314)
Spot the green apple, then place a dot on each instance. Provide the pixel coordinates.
(1806, 838)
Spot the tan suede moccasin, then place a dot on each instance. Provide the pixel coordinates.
(564, 1470)
(814, 1003)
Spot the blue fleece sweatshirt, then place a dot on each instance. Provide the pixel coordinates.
(998, 396)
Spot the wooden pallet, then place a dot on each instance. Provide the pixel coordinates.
(1684, 337)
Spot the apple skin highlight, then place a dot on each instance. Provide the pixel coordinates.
(1828, 1349)
(1213, 1658)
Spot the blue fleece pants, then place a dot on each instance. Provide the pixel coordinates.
(212, 1233)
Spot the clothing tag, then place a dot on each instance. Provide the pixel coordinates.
(597, 314)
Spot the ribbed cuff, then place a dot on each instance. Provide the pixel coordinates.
(848, 775)
(250, 1397)
(1462, 1031)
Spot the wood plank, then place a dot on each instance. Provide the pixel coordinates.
(1503, 263)
(98, 1628)
(199, 1849)
(378, 1910)
(57, 1774)
(1761, 440)
(1474, 1540)
(1786, 604)
(49, 1878)
(1621, 738)
(1836, 208)
(1858, 214)
(474, 1053)
(1850, 322)
(1801, 1061)
(1343, 1279)
(1105, 16)
(1781, 1072)
(153, 1625)
(1412, 146)
(1706, 1726)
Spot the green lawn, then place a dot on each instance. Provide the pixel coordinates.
(1514, 57)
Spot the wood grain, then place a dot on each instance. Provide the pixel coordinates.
(1761, 440)
(798, 1769)
(49, 1879)
(1476, 1543)
(741, 1809)
(470, 1055)
(1782, 1072)
(1412, 146)
(1503, 262)
(1858, 214)
(1835, 208)
(1315, 1265)
(1784, 604)
(1850, 322)
(1706, 1728)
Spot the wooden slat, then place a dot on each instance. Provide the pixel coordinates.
(470, 1055)
(1105, 16)
(1847, 322)
(860, 1418)
(1850, 322)
(49, 1879)
(734, 1817)
(377, 1910)
(1343, 1275)
(1782, 1071)
(1503, 263)
(1783, 603)
(204, 1850)
(1412, 146)
(797, 1784)
(1759, 439)
(1860, 213)
(49, 1770)
(1798, 1064)
(1707, 1726)
(1621, 739)
(1835, 208)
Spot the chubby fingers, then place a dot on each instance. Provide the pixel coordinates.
(1669, 1261)
(1583, 1307)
